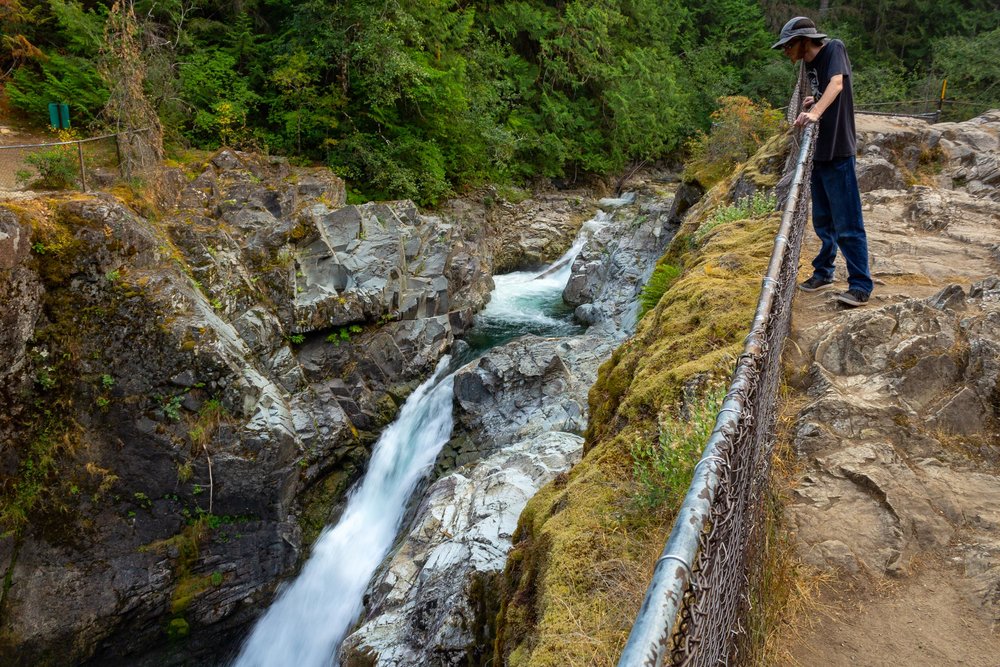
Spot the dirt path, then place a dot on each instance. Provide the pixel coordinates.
(923, 621)
(897, 498)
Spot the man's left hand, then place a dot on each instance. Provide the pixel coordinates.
(806, 117)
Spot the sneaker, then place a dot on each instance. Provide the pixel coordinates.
(815, 284)
(853, 298)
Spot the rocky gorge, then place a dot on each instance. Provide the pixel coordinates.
(195, 381)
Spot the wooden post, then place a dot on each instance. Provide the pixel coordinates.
(118, 151)
(83, 170)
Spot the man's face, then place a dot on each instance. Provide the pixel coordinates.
(793, 50)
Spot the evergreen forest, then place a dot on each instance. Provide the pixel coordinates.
(426, 98)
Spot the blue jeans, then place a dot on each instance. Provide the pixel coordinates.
(838, 223)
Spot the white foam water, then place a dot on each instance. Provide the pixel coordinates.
(305, 625)
(526, 298)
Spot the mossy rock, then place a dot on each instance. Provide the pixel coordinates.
(584, 548)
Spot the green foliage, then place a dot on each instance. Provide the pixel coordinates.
(422, 99)
(758, 204)
(219, 97)
(663, 467)
(343, 334)
(663, 277)
(54, 168)
(64, 74)
(972, 67)
(172, 406)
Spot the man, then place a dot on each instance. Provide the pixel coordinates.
(835, 195)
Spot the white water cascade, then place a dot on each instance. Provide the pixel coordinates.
(305, 625)
(310, 618)
(525, 298)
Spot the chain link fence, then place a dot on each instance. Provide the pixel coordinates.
(696, 607)
(83, 164)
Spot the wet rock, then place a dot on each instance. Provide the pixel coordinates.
(420, 611)
(615, 264)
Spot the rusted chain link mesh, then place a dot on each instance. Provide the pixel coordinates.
(712, 626)
(58, 165)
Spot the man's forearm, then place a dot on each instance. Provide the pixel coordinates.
(829, 95)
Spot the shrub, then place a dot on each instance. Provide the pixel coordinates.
(663, 467)
(739, 127)
(56, 168)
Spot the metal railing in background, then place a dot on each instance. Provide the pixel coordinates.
(695, 609)
(80, 163)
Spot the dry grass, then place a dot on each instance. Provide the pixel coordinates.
(789, 600)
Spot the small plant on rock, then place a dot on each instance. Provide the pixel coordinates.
(172, 406)
(663, 467)
(663, 277)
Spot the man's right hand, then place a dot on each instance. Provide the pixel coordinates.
(808, 102)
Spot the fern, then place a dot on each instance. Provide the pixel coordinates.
(663, 277)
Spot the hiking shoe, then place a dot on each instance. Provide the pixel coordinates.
(853, 298)
(815, 284)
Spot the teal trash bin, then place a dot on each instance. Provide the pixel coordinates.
(54, 115)
(64, 116)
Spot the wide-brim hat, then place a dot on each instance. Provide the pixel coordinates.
(800, 26)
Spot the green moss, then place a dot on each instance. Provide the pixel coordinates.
(318, 502)
(585, 549)
(178, 629)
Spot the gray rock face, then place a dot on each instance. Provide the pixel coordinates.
(21, 291)
(895, 390)
(616, 263)
(527, 387)
(420, 612)
(207, 374)
(535, 231)
(970, 151)
(366, 262)
(877, 173)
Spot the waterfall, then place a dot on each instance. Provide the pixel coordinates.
(305, 625)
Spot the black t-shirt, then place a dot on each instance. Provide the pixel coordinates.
(836, 127)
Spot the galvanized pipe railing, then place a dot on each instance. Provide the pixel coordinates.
(650, 638)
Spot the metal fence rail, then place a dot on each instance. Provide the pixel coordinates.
(81, 163)
(695, 608)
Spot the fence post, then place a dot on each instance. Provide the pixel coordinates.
(83, 170)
